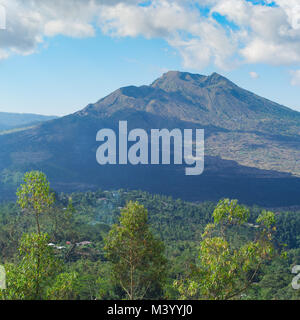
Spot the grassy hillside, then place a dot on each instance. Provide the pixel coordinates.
(10, 121)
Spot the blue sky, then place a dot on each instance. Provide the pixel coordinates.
(62, 67)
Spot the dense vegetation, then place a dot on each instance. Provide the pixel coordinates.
(58, 246)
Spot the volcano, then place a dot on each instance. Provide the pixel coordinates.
(252, 145)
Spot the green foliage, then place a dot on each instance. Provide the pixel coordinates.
(223, 271)
(30, 278)
(35, 194)
(234, 248)
(63, 287)
(266, 218)
(136, 256)
(228, 211)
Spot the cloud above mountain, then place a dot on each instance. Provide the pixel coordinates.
(295, 81)
(225, 33)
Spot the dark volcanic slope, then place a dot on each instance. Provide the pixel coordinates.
(252, 144)
(246, 128)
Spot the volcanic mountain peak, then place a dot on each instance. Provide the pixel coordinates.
(171, 81)
(176, 80)
(246, 137)
(209, 100)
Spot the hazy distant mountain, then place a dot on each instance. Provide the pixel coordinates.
(252, 144)
(9, 121)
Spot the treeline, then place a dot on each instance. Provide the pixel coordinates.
(133, 245)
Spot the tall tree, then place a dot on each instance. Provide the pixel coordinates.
(37, 274)
(35, 196)
(38, 266)
(225, 270)
(136, 256)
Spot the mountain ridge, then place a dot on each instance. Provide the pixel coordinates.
(198, 91)
(249, 141)
(9, 120)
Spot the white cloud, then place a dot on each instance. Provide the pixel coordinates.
(71, 29)
(159, 20)
(212, 46)
(267, 34)
(295, 81)
(28, 22)
(200, 41)
(253, 34)
(262, 34)
(254, 75)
